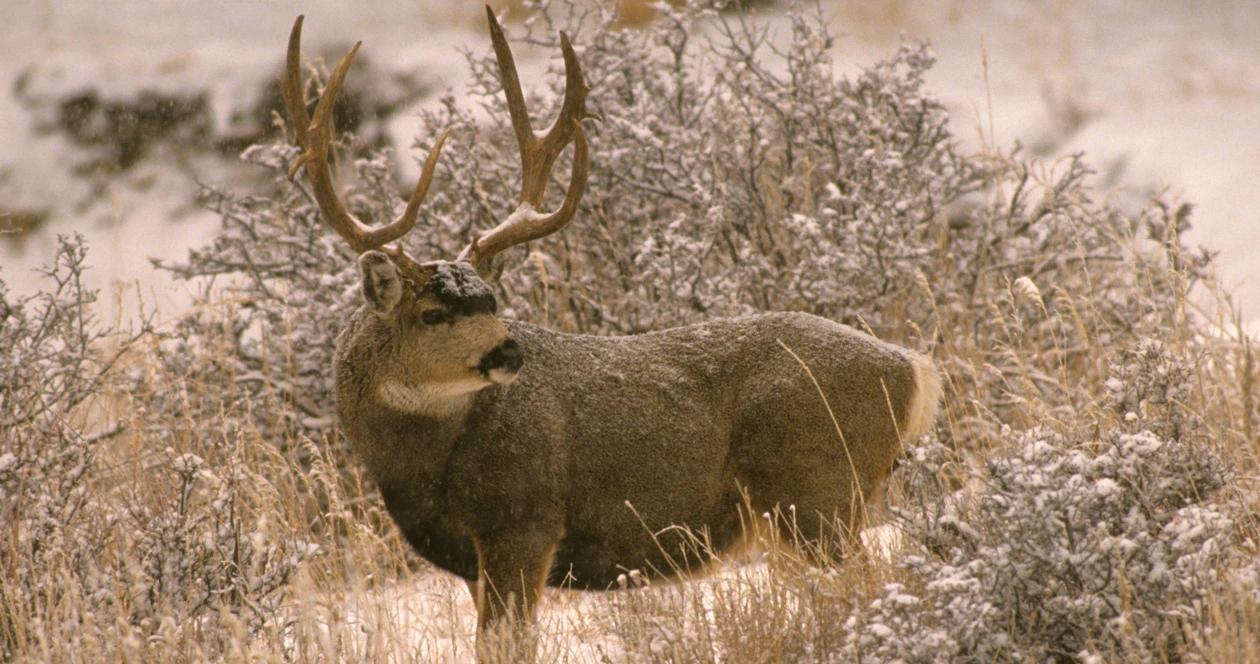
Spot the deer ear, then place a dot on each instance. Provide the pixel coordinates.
(382, 285)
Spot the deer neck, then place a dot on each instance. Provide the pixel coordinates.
(408, 448)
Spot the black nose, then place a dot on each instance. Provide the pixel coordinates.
(508, 356)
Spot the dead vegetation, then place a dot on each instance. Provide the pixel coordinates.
(189, 499)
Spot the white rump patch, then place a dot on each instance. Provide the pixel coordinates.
(927, 396)
(431, 399)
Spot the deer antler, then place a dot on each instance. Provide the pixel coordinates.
(313, 135)
(538, 155)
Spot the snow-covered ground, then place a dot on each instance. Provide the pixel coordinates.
(1160, 94)
(121, 47)
(434, 619)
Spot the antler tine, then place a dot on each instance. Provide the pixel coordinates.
(314, 134)
(526, 224)
(291, 85)
(574, 105)
(538, 154)
(511, 83)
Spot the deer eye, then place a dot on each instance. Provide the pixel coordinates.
(434, 316)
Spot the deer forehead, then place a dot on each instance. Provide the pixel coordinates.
(457, 287)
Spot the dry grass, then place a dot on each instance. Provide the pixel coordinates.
(294, 559)
(365, 597)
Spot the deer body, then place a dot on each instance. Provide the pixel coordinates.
(516, 457)
(674, 424)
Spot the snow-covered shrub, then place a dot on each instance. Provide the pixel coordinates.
(727, 176)
(290, 284)
(49, 366)
(1059, 550)
(1041, 284)
(1150, 388)
(101, 547)
(733, 171)
(1115, 540)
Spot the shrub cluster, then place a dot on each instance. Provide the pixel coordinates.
(117, 531)
(1069, 550)
(729, 175)
(172, 495)
(1112, 539)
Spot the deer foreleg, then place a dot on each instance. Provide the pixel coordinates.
(513, 569)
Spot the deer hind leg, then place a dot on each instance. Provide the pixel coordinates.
(824, 532)
(513, 570)
(816, 499)
(812, 520)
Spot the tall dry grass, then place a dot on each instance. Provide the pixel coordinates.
(358, 594)
(181, 494)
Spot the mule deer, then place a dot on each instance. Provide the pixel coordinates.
(517, 457)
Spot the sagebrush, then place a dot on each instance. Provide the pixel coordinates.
(181, 492)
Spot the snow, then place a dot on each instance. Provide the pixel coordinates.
(228, 51)
(1163, 95)
(1157, 95)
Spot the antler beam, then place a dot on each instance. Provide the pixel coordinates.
(314, 134)
(538, 154)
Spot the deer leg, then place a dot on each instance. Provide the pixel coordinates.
(513, 569)
(824, 530)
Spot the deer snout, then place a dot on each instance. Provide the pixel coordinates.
(501, 364)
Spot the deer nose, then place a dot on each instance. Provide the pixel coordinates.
(507, 357)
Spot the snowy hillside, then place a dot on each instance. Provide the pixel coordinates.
(1159, 95)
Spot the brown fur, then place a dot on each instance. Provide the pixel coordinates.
(573, 473)
(516, 457)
